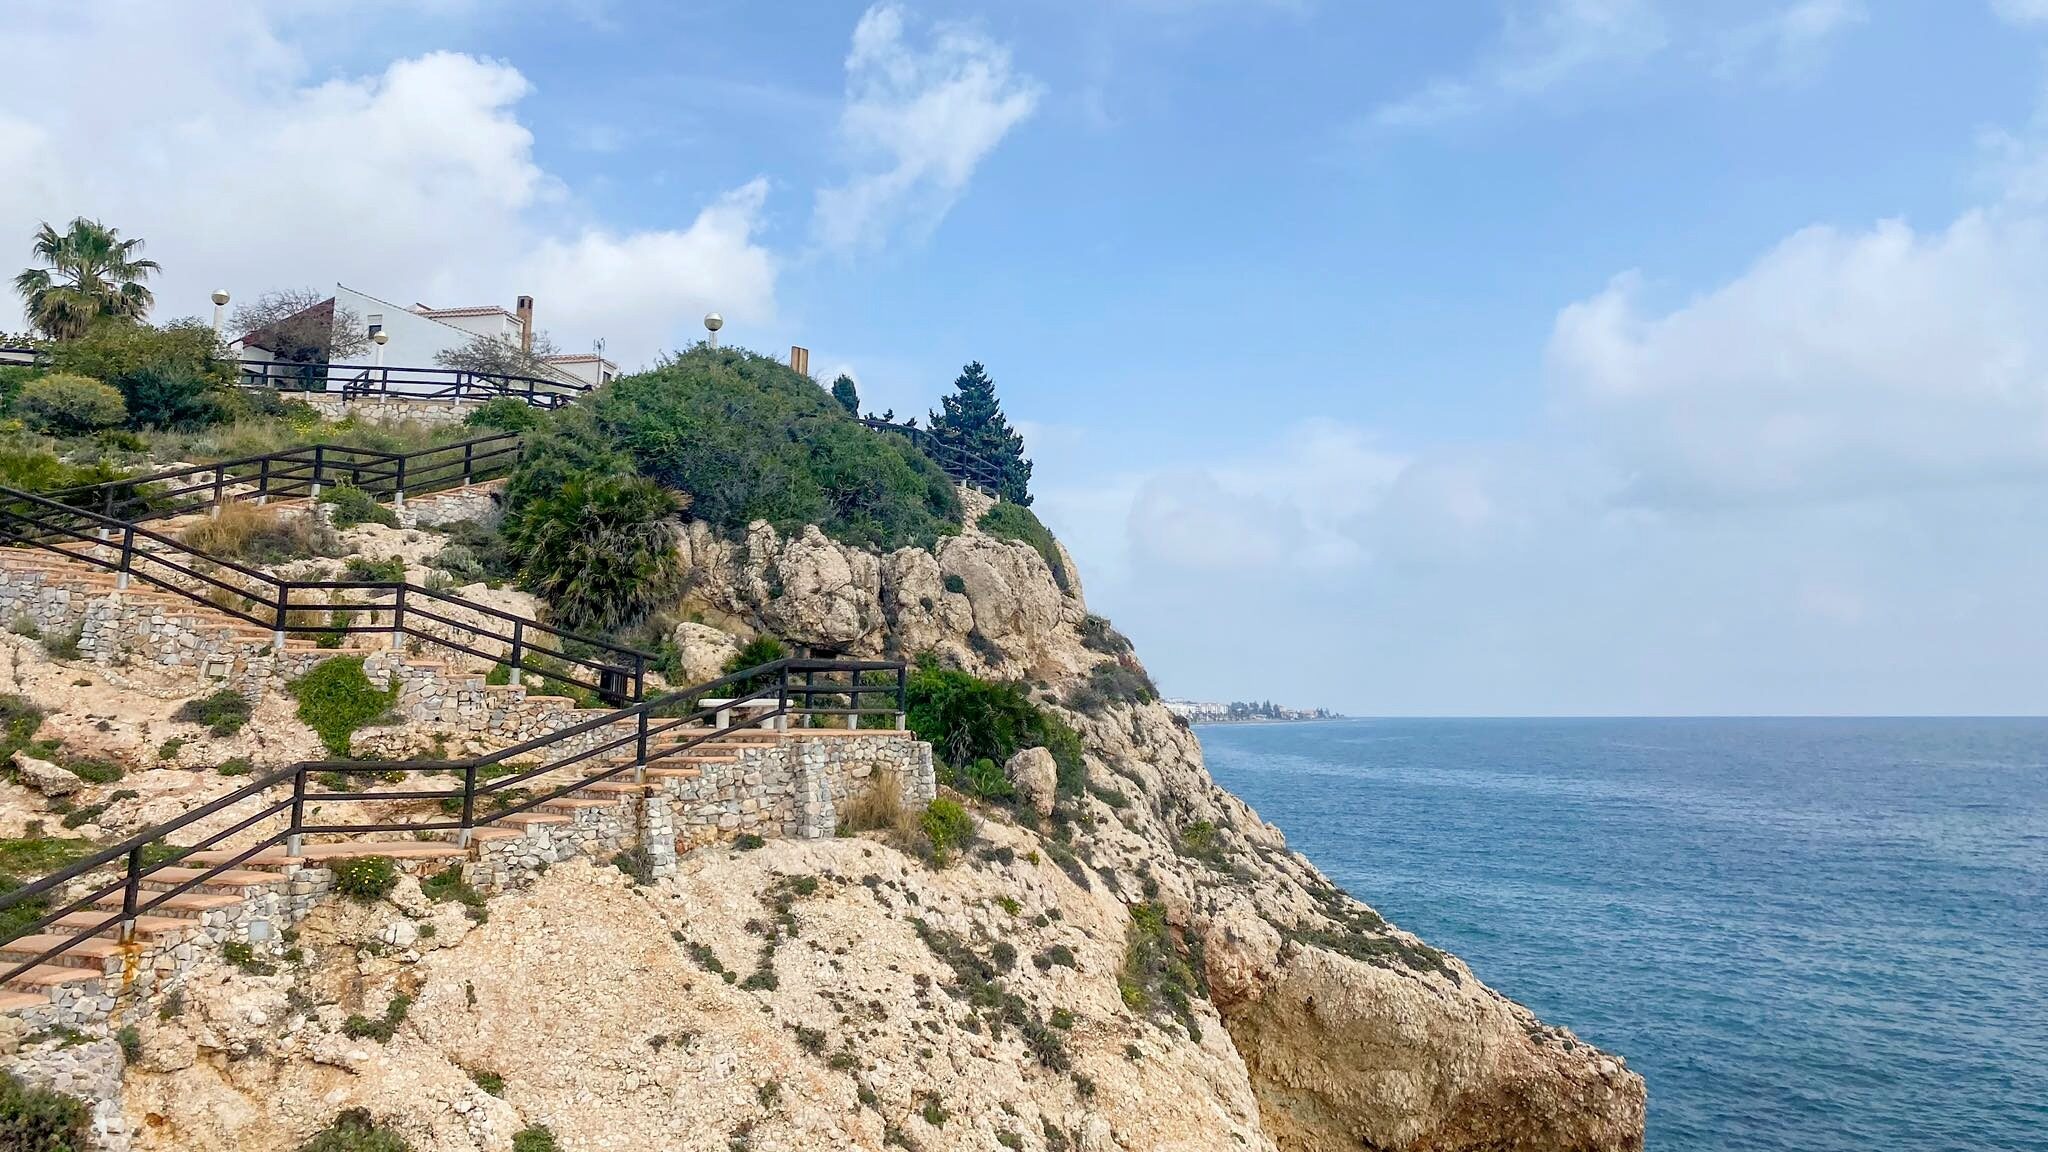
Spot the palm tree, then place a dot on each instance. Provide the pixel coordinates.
(92, 274)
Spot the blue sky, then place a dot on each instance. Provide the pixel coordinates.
(1549, 356)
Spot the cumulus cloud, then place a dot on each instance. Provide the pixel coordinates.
(416, 181)
(919, 121)
(1840, 363)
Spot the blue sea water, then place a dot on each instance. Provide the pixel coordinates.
(1809, 935)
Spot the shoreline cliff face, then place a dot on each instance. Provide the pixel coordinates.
(1144, 965)
(1352, 1032)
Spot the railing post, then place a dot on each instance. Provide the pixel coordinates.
(810, 680)
(284, 596)
(468, 461)
(468, 803)
(398, 488)
(398, 620)
(263, 482)
(518, 648)
(640, 751)
(127, 557)
(639, 678)
(319, 468)
(130, 893)
(294, 841)
(902, 694)
(782, 691)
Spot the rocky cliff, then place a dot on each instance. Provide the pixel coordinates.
(1154, 970)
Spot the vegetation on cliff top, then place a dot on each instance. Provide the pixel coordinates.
(746, 438)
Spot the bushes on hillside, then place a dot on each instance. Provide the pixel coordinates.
(168, 377)
(504, 414)
(601, 550)
(34, 1120)
(1110, 683)
(349, 506)
(248, 533)
(224, 712)
(33, 470)
(67, 404)
(967, 719)
(354, 1131)
(336, 698)
(746, 438)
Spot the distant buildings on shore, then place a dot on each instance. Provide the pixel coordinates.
(1242, 712)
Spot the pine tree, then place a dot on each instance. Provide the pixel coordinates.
(973, 422)
(843, 390)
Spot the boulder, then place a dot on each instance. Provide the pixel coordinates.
(45, 777)
(1035, 776)
(703, 651)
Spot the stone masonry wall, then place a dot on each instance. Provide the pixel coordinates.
(335, 406)
(793, 788)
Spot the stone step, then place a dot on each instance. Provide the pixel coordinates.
(529, 818)
(616, 787)
(490, 832)
(52, 975)
(16, 1001)
(87, 953)
(316, 854)
(674, 773)
(171, 876)
(572, 803)
(80, 922)
(189, 905)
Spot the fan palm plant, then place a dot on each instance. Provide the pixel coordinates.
(91, 274)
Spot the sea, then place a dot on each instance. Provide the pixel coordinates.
(1806, 934)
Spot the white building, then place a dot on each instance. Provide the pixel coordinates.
(416, 335)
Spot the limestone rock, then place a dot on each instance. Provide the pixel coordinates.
(1035, 776)
(45, 777)
(703, 651)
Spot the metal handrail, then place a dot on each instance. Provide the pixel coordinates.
(960, 464)
(295, 472)
(407, 382)
(648, 726)
(282, 606)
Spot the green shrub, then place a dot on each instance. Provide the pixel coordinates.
(34, 470)
(63, 404)
(20, 720)
(245, 532)
(360, 1027)
(762, 649)
(224, 712)
(16, 917)
(601, 550)
(1007, 521)
(390, 570)
(354, 1131)
(536, 1138)
(35, 854)
(955, 583)
(966, 718)
(489, 1081)
(62, 643)
(349, 506)
(746, 438)
(94, 771)
(948, 826)
(504, 413)
(238, 766)
(1156, 973)
(1108, 684)
(34, 1120)
(1098, 636)
(365, 879)
(172, 376)
(484, 553)
(336, 698)
(449, 885)
(984, 778)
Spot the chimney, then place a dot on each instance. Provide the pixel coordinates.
(800, 359)
(525, 311)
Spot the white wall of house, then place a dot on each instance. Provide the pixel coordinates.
(591, 370)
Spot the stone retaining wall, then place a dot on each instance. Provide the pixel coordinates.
(335, 406)
(794, 787)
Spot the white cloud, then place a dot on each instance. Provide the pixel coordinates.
(920, 122)
(1788, 43)
(1546, 45)
(417, 181)
(1838, 364)
(1534, 53)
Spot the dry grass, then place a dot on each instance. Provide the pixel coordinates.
(246, 532)
(879, 807)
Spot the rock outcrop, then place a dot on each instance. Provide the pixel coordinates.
(1353, 1033)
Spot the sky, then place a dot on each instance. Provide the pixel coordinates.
(1525, 358)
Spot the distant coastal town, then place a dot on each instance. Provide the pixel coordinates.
(1243, 712)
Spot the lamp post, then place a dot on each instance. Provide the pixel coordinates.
(220, 301)
(380, 338)
(712, 323)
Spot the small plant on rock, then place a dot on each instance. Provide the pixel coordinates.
(349, 506)
(336, 698)
(354, 1131)
(535, 1138)
(365, 879)
(224, 712)
(947, 826)
(34, 1120)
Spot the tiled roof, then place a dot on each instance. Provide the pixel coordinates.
(482, 310)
